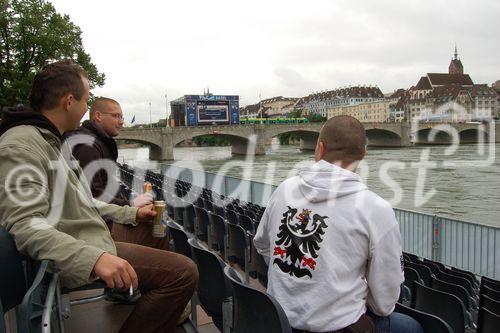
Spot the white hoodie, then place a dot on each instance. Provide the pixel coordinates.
(333, 247)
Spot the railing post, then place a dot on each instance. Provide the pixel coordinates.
(436, 235)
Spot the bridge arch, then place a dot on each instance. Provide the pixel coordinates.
(378, 137)
(473, 135)
(155, 151)
(308, 136)
(239, 140)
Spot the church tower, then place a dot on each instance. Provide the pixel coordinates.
(456, 66)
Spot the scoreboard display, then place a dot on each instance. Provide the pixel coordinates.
(213, 112)
(210, 109)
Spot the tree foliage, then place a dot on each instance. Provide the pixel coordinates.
(32, 34)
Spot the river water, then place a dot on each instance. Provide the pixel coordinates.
(462, 184)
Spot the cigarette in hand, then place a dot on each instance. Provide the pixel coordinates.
(131, 291)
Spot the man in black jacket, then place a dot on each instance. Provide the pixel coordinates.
(98, 160)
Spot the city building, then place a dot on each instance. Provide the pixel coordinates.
(275, 107)
(437, 96)
(370, 112)
(206, 109)
(319, 103)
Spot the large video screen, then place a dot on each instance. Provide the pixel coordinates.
(213, 112)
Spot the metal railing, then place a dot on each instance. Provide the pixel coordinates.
(465, 245)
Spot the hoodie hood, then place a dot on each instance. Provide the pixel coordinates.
(15, 118)
(323, 181)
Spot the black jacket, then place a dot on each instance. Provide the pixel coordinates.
(104, 147)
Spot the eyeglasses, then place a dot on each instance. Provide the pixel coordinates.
(114, 115)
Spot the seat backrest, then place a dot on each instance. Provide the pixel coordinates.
(473, 277)
(464, 275)
(491, 293)
(410, 275)
(487, 322)
(412, 257)
(189, 217)
(254, 310)
(490, 283)
(446, 306)
(257, 262)
(237, 242)
(490, 304)
(231, 216)
(429, 322)
(441, 266)
(213, 287)
(202, 222)
(461, 281)
(219, 231)
(453, 289)
(433, 267)
(12, 279)
(180, 239)
(423, 271)
(246, 223)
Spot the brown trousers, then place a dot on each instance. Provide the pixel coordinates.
(141, 234)
(166, 280)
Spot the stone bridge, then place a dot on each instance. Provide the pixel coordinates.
(251, 139)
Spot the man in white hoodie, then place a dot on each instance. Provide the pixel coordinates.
(334, 247)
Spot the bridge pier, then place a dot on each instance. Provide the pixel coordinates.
(165, 152)
(255, 145)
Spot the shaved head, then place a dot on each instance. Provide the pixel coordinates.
(343, 139)
(102, 104)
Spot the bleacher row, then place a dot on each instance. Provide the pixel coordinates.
(442, 299)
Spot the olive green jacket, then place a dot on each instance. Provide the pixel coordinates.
(48, 210)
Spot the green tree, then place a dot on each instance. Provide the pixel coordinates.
(32, 34)
(297, 113)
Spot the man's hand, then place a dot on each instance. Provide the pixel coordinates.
(145, 214)
(116, 272)
(142, 200)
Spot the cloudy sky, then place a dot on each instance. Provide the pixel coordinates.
(151, 48)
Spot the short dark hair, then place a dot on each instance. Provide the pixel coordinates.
(54, 81)
(344, 138)
(100, 103)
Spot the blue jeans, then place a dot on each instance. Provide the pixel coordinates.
(395, 323)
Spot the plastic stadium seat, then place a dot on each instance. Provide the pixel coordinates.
(189, 218)
(238, 247)
(490, 304)
(490, 283)
(424, 272)
(13, 285)
(472, 276)
(491, 293)
(411, 275)
(446, 306)
(413, 258)
(487, 322)
(218, 233)
(433, 267)
(461, 281)
(461, 293)
(257, 262)
(254, 310)
(213, 288)
(232, 216)
(201, 224)
(180, 239)
(430, 323)
(247, 223)
(453, 289)
(472, 280)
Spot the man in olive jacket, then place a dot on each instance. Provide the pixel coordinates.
(51, 214)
